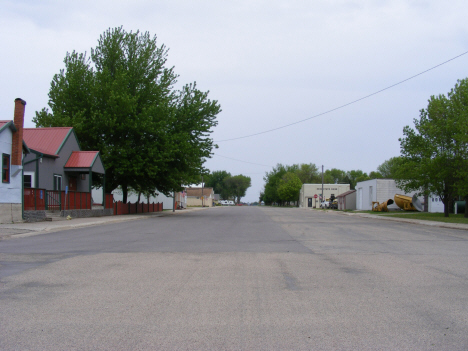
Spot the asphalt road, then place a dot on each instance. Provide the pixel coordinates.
(238, 278)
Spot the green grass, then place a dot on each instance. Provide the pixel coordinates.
(438, 217)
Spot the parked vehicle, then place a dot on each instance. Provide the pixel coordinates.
(325, 204)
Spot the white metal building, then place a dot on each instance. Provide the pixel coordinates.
(308, 192)
(377, 190)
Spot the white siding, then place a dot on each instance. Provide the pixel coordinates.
(10, 193)
(435, 204)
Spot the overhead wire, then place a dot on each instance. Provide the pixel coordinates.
(235, 159)
(342, 106)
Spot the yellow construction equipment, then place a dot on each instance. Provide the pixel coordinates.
(408, 203)
(381, 207)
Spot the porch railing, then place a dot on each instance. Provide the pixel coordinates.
(41, 199)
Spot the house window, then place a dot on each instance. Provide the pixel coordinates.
(27, 181)
(5, 168)
(57, 182)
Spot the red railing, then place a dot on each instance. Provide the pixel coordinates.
(109, 203)
(34, 199)
(120, 208)
(41, 199)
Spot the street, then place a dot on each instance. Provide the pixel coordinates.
(237, 278)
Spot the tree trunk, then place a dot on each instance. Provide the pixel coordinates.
(139, 196)
(124, 194)
(466, 206)
(446, 205)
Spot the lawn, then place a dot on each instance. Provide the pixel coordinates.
(438, 217)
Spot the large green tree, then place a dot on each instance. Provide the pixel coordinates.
(334, 176)
(308, 173)
(122, 102)
(238, 186)
(354, 176)
(289, 187)
(216, 180)
(272, 180)
(431, 152)
(389, 168)
(459, 105)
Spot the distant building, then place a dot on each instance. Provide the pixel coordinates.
(200, 196)
(347, 200)
(308, 192)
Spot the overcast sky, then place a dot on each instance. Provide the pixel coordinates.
(268, 63)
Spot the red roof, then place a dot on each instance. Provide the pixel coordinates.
(3, 123)
(46, 140)
(81, 159)
(346, 193)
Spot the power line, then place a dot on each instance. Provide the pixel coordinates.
(347, 104)
(252, 163)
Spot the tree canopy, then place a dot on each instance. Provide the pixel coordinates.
(121, 101)
(389, 168)
(289, 187)
(216, 180)
(237, 186)
(434, 153)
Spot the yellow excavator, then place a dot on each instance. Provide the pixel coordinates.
(406, 203)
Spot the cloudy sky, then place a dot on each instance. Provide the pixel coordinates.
(268, 63)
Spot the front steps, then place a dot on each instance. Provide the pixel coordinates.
(54, 216)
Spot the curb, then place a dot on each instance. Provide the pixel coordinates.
(458, 226)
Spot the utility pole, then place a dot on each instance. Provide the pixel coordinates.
(202, 202)
(323, 197)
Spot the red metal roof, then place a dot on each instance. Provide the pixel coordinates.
(3, 123)
(346, 193)
(46, 140)
(81, 159)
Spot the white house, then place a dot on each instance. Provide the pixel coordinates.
(197, 196)
(377, 190)
(12, 149)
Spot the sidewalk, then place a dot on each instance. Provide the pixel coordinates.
(28, 229)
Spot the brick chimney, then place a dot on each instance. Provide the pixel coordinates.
(17, 147)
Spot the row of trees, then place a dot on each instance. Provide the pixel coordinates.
(283, 183)
(121, 101)
(227, 186)
(434, 155)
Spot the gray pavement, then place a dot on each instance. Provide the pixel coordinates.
(237, 279)
(27, 229)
